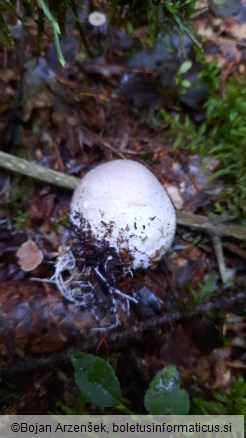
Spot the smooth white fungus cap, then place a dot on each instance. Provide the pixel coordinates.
(122, 202)
(97, 18)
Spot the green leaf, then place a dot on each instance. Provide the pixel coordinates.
(6, 39)
(185, 83)
(5, 34)
(164, 395)
(186, 66)
(233, 403)
(96, 379)
(8, 7)
(56, 31)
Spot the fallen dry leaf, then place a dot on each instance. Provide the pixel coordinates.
(29, 255)
(212, 371)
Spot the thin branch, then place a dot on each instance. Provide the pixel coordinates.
(33, 170)
(227, 274)
(189, 220)
(216, 228)
(176, 315)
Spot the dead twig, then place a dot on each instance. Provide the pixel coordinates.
(33, 170)
(223, 40)
(216, 228)
(171, 317)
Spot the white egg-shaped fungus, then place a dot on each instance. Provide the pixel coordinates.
(123, 204)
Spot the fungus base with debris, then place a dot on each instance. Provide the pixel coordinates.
(122, 219)
(86, 275)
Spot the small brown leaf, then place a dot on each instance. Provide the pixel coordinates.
(29, 255)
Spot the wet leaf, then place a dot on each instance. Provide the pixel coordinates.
(96, 379)
(164, 395)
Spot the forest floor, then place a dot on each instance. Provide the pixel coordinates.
(122, 103)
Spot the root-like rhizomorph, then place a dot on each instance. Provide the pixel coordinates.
(86, 275)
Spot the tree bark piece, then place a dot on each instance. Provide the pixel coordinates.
(35, 320)
(38, 328)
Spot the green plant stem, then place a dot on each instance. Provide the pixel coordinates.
(189, 220)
